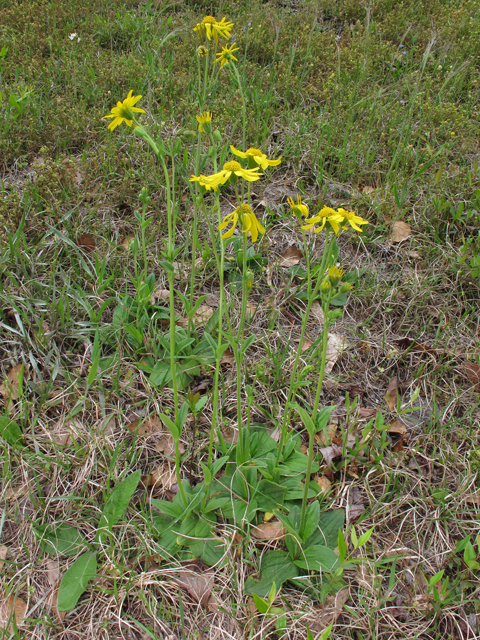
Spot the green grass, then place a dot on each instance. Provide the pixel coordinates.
(353, 99)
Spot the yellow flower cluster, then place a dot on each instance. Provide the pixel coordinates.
(226, 55)
(327, 215)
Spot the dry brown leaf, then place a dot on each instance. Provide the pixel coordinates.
(330, 453)
(53, 572)
(202, 315)
(366, 412)
(52, 602)
(228, 357)
(147, 427)
(126, 242)
(86, 243)
(400, 231)
(291, 257)
(324, 483)
(166, 445)
(160, 294)
(162, 477)
(316, 313)
(16, 492)
(107, 426)
(9, 604)
(331, 430)
(397, 428)
(355, 506)
(391, 395)
(328, 613)
(251, 309)
(306, 344)
(335, 345)
(199, 586)
(473, 373)
(368, 189)
(3, 555)
(273, 530)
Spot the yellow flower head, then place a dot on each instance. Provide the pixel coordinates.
(352, 219)
(124, 111)
(204, 120)
(230, 169)
(226, 55)
(249, 221)
(327, 214)
(335, 275)
(203, 181)
(202, 51)
(326, 286)
(255, 157)
(297, 207)
(211, 28)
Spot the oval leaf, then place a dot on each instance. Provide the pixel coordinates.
(10, 431)
(75, 581)
(117, 503)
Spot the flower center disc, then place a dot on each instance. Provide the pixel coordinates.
(209, 20)
(254, 152)
(233, 165)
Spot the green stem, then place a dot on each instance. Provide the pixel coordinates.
(177, 472)
(307, 484)
(311, 299)
(326, 324)
(194, 233)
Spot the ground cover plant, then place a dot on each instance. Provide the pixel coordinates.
(239, 275)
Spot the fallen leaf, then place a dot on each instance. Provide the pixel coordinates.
(160, 294)
(330, 453)
(11, 387)
(398, 446)
(251, 309)
(162, 477)
(366, 412)
(316, 313)
(16, 492)
(291, 257)
(335, 345)
(400, 231)
(328, 613)
(202, 315)
(166, 445)
(86, 243)
(355, 504)
(421, 464)
(397, 427)
(9, 604)
(269, 531)
(107, 426)
(147, 427)
(391, 395)
(199, 586)
(3, 555)
(228, 357)
(53, 572)
(52, 602)
(473, 373)
(326, 439)
(126, 242)
(324, 483)
(367, 189)
(414, 254)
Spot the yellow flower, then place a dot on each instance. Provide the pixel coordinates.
(335, 275)
(203, 181)
(204, 120)
(249, 221)
(352, 219)
(226, 55)
(298, 207)
(202, 51)
(212, 28)
(256, 157)
(124, 111)
(327, 214)
(232, 168)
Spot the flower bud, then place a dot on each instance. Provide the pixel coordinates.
(188, 134)
(325, 289)
(217, 136)
(249, 279)
(335, 275)
(345, 288)
(143, 196)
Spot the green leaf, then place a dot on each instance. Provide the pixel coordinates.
(312, 518)
(261, 604)
(172, 427)
(62, 539)
(75, 581)
(117, 502)
(10, 431)
(365, 537)
(342, 546)
(305, 418)
(318, 558)
(269, 495)
(276, 567)
(328, 527)
(210, 551)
